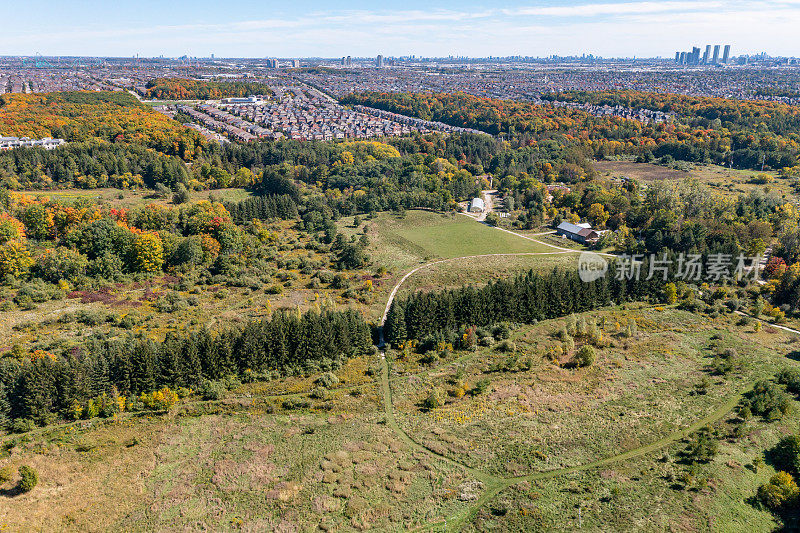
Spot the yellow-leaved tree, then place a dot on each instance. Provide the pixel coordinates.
(148, 253)
(15, 260)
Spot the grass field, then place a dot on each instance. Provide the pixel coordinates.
(401, 243)
(274, 456)
(728, 182)
(435, 235)
(551, 416)
(246, 463)
(128, 199)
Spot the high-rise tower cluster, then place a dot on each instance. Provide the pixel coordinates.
(708, 57)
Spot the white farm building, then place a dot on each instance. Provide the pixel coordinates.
(477, 206)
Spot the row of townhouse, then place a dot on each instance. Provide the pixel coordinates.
(215, 122)
(309, 115)
(9, 143)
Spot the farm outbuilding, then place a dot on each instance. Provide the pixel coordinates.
(582, 233)
(477, 206)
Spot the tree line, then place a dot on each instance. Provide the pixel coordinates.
(526, 298)
(263, 208)
(41, 386)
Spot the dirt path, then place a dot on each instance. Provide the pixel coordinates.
(494, 484)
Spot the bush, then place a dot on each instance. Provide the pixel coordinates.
(328, 380)
(779, 492)
(274, 289)
(787, 453)
(211, 390)
(231, 382)
(181, 195)
(506, 346)
(790, 378)
(585, 356)
(320, 393)
(767, 400)
(501, 331)
(702, 447)
(481, 386)
(432, 401)
(29, 478)
(22, 425)
(6, 473)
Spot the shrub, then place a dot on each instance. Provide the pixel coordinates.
(29, 478)
(22, 425)
(779, 492)
(506, 346)
(231, 382)
(320, 393)
(6, 473)
(328, 380)
(181, 195)
(787, 453)
(274, 289)
(211, 390)
(767, 400)
(702, 447)
(790, 378)
(501, 331)
(432, 401)
(161, 400)
(481, 386)
(486, 341)
(585, 356)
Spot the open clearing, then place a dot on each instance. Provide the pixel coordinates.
(401, 243)
(541, 416)
(728, 182)
(132, 198)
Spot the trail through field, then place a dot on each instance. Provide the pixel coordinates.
(494, 484)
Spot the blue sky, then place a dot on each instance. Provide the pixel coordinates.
(303, 28)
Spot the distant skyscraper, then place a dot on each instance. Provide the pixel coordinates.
(707, 54)
(726, 55)
(683, 58)
(695, 55)
(379, 61)
(677, 57)
(716, 54)
(349, 62)
(344, 61)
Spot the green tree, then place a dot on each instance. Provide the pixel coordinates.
(181, 195)
(395, 327)
(780, 492)
(29, 478)
(670, 293)
(62, 263)
(787, 453)
(586, 356)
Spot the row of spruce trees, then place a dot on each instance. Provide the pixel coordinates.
(524, 299)
(265, 207)
(43, 387)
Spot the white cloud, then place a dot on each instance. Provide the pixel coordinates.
(624, 8)
(605, 28)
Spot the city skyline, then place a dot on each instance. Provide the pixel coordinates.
(311, 29)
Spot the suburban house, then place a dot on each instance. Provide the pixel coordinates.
(582, 233)
(477, 205)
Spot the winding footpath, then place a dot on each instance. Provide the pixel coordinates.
(494, 484)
